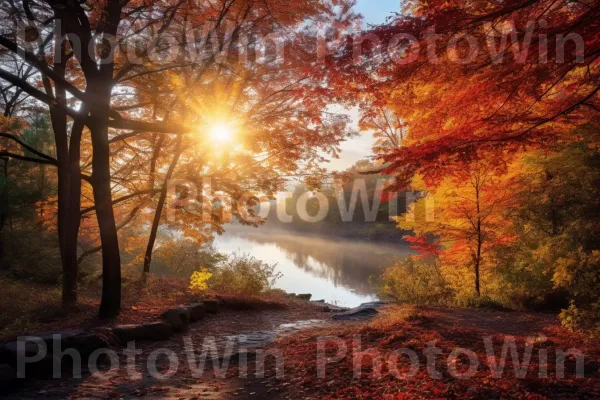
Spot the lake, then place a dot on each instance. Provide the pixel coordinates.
(335, 270)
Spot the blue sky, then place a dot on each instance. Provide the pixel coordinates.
(375, 11)
(358, 148)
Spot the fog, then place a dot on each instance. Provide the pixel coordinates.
(336, 270)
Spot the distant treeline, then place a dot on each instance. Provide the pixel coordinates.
(358, 207)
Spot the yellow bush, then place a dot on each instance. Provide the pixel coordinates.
(199, 279)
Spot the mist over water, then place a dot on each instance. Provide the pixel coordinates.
(335, 270)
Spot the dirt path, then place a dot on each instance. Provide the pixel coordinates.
(258, 328)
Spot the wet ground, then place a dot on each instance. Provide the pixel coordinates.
(216, 359)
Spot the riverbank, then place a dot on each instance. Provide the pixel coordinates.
(38, 309)
(325, 359)
(217, 337)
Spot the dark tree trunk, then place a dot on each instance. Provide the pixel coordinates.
(477, 257)
(160, 206)
(42, 192)
(100, 83)
(69, 186)
(477, 284)
(73, 217)
(66, 221)
(477, 260)
(111, 260)
(4, 207)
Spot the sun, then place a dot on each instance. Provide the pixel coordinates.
(221, 133)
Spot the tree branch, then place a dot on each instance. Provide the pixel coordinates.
(27, 147)
(124, 198)
(142, 126)
(96, 249)
(38, 94)
(29, 159)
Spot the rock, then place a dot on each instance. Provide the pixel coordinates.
(318, 301)
(197, 311)
(178, 317)
(291, 294)
(304, 296)
(212, 306)
(152, 331)
(85, 343)
(356, 313)
(373, 304)
(239, 304)
(246, 304)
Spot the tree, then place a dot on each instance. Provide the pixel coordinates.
(147, 61)
(466, 218)
(476, 77)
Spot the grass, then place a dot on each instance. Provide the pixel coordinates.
(28, 307)
(23, 305)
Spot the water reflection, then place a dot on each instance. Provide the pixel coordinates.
(335, 270)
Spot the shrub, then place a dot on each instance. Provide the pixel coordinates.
(242, 275)
(414, 281)
(485, 302)
(579, 274)
(199, 280)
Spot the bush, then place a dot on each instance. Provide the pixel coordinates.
(414, 281)
(486, 302)
(240, 275)
(579, 274)
(199, 280)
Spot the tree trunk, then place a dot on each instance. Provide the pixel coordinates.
(66, 221)
(477, 285)
(110, 305)
(479, 238)
(4, 207)
(160, 207)
(42, 193)
(72, 217)
(69, 186)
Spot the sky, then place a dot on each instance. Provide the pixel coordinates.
(358, 148)
(375, 11)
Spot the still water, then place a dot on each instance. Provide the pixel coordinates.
(334, 270)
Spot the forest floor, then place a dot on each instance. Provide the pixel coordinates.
(392, 335)
(28, 307)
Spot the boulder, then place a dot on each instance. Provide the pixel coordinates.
(85, 343)
(248, 304)
(373, 304)
(306, 296)
(178, 317)
(151, 331)
(197, 311)
(212, 306)
(318, 301)
(356, 313)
